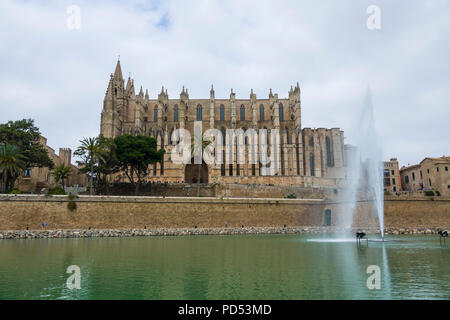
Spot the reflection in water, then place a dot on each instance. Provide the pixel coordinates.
(224, 267)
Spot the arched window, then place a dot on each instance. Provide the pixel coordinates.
(328, 146)
(311, 164)
(311, 141)
(155, 114)
(222, 113)
(175, 113)
(222, 166)
(281, 112)
(224, 136)
(287, 136)
(261, 113)
(199, 113)
(242, 113)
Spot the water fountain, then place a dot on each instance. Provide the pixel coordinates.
(364, 170)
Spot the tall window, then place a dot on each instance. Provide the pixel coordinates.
(281, 112)
(287, 136)
(311, 141)
(175, 114)
(261, 113)
(224, 136)
(311, 164)
(222, 113)
(199, 113)
(28, 172)
(328, 145)
(242, 113)
(155, 114)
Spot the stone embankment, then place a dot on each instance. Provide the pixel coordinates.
(98, 233)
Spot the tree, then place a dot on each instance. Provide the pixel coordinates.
(90, 153)
(61, 173)
(24, 135)
(11, 164)
(108, 163)
(135, 154)
(203, 143)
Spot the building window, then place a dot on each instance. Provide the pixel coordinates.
(145, 119)
(328, 147)
(393, 181)
(199, 113)
(311, 141)
(175, 114)
(281, 112)
(261, 113)
(242, 111)
(394, 189)
(446, 168)
(429, 182)
(392, 171)
(224, 136)
(413, 176)
(421, 177)
(437, 169)
(155, 114)
(222, 113)
(428, 170)
(311, 164)
(406, 179)
(328, 217)
(230, 170)
(28, 173)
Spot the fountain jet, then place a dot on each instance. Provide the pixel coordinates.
(364, 170)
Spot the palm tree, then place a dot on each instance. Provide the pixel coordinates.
(90, 152)
(11, 163)
(204, 142)
(61, 173)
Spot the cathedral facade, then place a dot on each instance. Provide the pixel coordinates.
(306, 156)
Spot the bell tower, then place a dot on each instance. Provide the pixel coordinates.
(113, 105)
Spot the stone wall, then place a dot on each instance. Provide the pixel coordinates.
(19, 212)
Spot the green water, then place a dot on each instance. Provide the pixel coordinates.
(224, 267)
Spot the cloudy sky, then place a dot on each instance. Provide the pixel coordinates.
(58, 75)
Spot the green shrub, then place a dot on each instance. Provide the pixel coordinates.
(432, 199)
(429, 193)
(72, 205)
(387, 193)
(14, 191)
(291, 196)
(72, 196)
(438, 193)
(56, 191)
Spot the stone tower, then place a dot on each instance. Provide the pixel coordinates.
(113, 105)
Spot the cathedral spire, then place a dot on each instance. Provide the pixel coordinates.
(118, 71)
(109, 93)
(128, 87)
